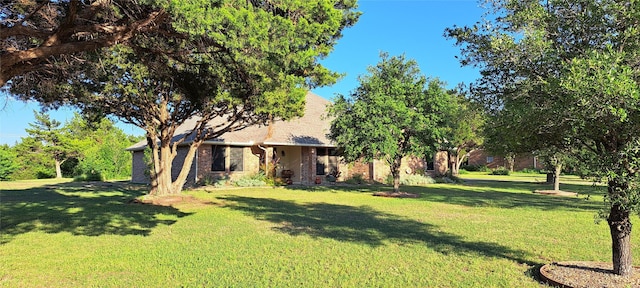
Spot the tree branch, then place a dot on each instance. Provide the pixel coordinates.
(11, 62)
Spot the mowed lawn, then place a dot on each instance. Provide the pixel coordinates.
(483, 233)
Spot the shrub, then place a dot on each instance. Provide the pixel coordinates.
(275, 181)
(257, 179)
(215, 181)
(415, 179)
(448, 179)
(249, 182)
(355, 179)
(411, 179)
(91, 176)
(530, 171)
(500, 171)
(475, 168)
(463, 171)
(444, 179)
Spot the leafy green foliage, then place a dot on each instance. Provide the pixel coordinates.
(98, 151)
(236, 63)
(33, 161)
(355, 179)
(55, 140)
(103, 149)
(258, 179)
(500, 171)
(395, 112)
(216, 181)
(565, 75)
(474, 168)
(464, 128)
(7, 162)
(412, 180)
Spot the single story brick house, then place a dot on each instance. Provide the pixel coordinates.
(299, 149)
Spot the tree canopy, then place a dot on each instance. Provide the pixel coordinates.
(568, 73)
(395, 112)
(40, 38)
(237, 61)
(7, 162)
(86, 150)
(464, 128)
(54, 139)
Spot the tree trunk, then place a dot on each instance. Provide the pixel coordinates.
(455, 168)
(58, 168)
(620, 227)
(163, 174)
(511, 161)
(556, 178)
(458, 162)
(186, 167)
(155, 162)
(395, 171)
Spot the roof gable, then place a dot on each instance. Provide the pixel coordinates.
(308, 130)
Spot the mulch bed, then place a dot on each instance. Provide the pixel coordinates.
(556, 193)
(578, 274)
(396, 194)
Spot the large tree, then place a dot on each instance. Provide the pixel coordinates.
(32, 161)
(55, 141)
(571, 71)
(395, 112)
(464, 129)
(102, 148)
(215, 67)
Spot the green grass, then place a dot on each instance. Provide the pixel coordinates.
(483, 233)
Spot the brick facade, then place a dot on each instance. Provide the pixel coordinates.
(139, 171)
(250, 163)
(356, 168)
(440, 164)
(301, 160)
(481, 157)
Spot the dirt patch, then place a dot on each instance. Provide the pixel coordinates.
(396, 194)
(556, 193)
(169, 200)
(580, 274)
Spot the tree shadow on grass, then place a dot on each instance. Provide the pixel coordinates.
(487, 196)
(491, 193)
(363, 225)
(80, 208)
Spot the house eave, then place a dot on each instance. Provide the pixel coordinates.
(249, 143)
(267, 143)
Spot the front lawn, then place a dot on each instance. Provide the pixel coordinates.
(480, 234)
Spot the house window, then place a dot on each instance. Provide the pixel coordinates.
(333, 160)
(218, 158)
(489, 159)
(321, 161)
(431, 163)
(326, 161)
(236, 158)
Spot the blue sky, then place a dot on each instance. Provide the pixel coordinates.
(411, 27)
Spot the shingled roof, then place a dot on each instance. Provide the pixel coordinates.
(308, 130)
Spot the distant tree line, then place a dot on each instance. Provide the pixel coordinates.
(79, 148)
